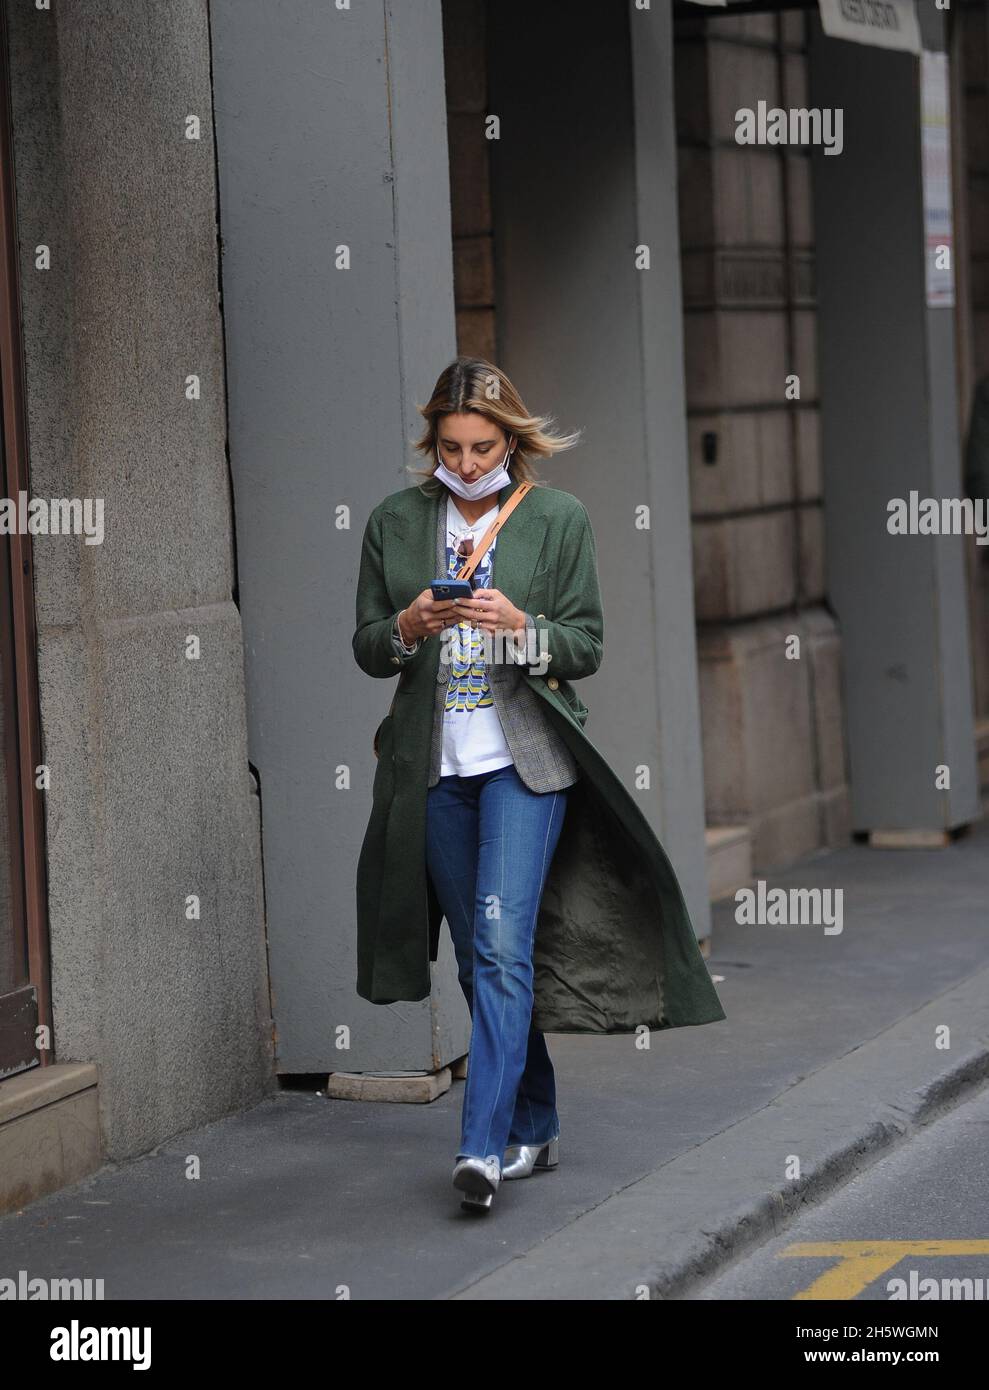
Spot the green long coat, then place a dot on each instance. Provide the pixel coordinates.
(614, 948)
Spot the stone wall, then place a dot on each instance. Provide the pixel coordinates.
(774, 755)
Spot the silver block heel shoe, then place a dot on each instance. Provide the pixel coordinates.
(520, 1159)
(477, 1179)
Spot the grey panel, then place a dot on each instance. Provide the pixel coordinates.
(888, 425)
(330, 131)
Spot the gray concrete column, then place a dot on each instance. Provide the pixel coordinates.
(331, 133)
(889, 427)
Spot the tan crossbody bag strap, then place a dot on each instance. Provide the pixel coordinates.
(475, 559)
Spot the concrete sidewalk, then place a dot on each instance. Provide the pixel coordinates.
(672, 1159)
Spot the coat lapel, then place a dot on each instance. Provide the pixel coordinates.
(441, 537)
(409, 547)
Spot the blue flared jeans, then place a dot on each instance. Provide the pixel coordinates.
(489, 845)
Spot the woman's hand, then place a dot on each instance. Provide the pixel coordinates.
(490, 611)
(425, 616)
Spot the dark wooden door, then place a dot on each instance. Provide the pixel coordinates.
(25, 1022)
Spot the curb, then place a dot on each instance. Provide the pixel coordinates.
(689, 1219)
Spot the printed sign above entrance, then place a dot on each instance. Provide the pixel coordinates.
(882, 23)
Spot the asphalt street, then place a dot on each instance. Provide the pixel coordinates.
(913, 1226)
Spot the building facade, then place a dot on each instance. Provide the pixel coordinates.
(242, 239)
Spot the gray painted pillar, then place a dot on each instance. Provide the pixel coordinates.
(889, 425)
(584, 172)
(331, 131)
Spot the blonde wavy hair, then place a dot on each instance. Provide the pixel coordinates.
(474, 384)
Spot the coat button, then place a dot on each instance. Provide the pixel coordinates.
(396, 661)
(540, 615)
(553, 683)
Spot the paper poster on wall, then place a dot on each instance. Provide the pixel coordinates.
(936, 175)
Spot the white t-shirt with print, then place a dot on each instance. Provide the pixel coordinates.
(473, 739)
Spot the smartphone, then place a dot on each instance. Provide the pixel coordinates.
(451, 588)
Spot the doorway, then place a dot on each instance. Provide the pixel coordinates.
(25, 1022)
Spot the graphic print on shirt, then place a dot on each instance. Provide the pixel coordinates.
(468, 688)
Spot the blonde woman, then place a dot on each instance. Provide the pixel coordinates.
(491, 807)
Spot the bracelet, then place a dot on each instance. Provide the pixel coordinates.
(406, 646)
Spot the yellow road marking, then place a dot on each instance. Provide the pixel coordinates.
(862, 1261)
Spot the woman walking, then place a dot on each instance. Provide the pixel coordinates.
(491, 807)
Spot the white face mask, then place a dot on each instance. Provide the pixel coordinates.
(480, 487)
